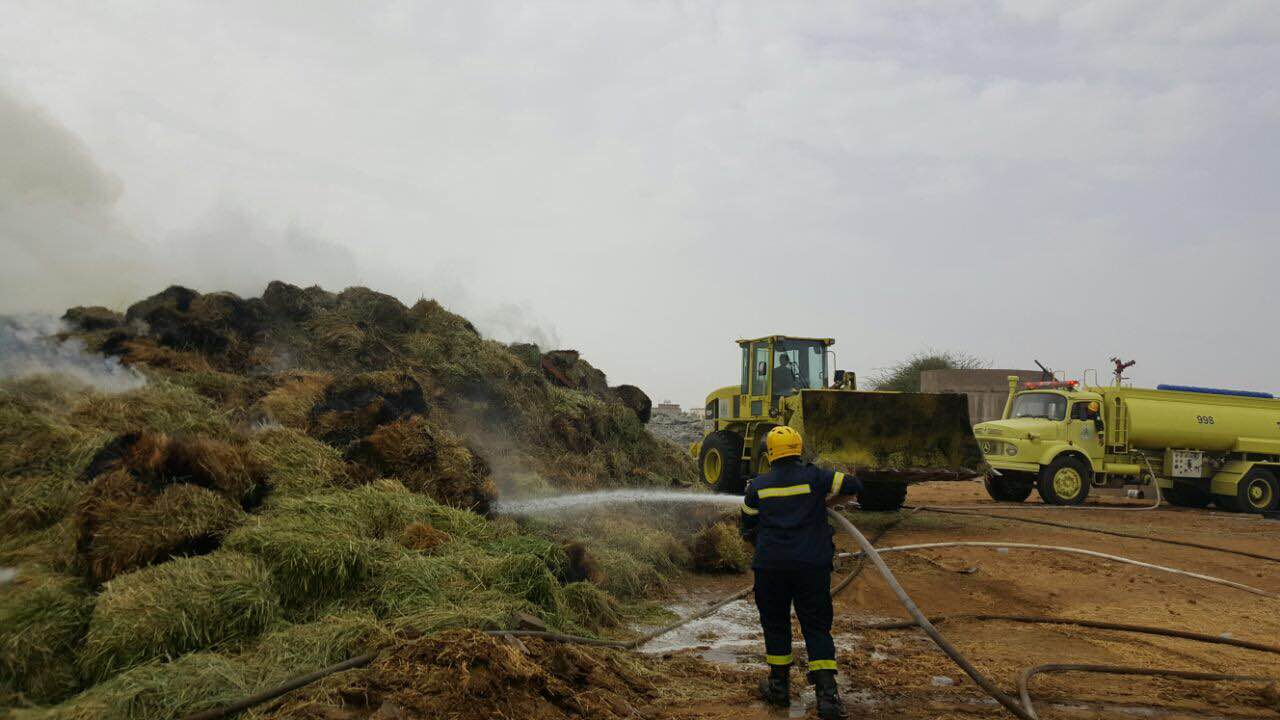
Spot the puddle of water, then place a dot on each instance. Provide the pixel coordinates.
(730, 636)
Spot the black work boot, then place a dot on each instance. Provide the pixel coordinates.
(829, 705)
(776, 689)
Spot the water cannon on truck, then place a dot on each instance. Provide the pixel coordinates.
(1199, 445)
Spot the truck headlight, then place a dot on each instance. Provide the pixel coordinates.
(1010, 449)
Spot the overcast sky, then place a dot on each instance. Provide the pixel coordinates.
(647, 182)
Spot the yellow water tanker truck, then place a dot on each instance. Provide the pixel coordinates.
(1199, 445)
(889, 439)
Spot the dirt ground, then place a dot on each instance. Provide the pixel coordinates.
(901, 674)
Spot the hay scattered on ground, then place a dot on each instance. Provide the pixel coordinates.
(422, 537)
(720, 549)
(465, 675)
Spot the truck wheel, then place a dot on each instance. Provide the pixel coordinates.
(721, 461)
(1186, 496)
(1257, 492)
(882, 496)
(1065, 481)
(1005, 489)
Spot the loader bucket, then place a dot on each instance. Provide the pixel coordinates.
(890, 436)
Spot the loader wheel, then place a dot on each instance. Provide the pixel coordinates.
(1065, 481)
(882, 496)
(1007, 489)
(1257, 492)
(1187, 496)
(721, 461)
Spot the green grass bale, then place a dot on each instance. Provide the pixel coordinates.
(182, 605)
(43, 615)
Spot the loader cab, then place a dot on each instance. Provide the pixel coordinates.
(779, 366)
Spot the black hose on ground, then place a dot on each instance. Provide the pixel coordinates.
(1024, 680)
(243, 704)
(943, 644)
(1115, 533)
(1096, 624)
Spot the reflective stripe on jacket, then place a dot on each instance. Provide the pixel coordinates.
(785, 510)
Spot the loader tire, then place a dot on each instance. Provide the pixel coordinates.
(1006, 489)
(1065, 481)
(882, 496)
(1257, 492)
(721, 461)
(1188, 497)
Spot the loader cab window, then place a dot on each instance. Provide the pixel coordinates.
(1039, 405)
(746, 369)
(759, 368)
(798, 365)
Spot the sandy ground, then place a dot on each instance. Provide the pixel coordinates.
(901, 674)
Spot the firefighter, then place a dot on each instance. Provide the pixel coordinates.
(784, 514)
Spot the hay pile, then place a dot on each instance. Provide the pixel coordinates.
(466, 675)
(305, 475)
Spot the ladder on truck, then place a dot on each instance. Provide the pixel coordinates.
(1120, 433)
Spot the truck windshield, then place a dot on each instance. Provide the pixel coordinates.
(1039, 405)
(798, 365)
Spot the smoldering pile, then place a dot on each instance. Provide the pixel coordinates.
(301, 476)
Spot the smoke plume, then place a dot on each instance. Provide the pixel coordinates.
(29, 346)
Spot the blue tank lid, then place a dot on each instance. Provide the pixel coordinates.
(1216, 391)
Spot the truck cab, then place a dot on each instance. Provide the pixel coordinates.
(1051, 438)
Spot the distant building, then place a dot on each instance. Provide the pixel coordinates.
(667, 407)
(987, 389)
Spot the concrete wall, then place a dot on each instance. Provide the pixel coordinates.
(987, 389)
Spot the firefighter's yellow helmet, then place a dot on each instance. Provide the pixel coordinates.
(782, 442)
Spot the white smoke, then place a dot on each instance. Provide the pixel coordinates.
(64, 242)
(29, 346)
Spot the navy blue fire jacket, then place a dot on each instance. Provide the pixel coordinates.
(785, 512)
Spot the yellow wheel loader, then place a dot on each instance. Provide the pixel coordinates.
(889, 439)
